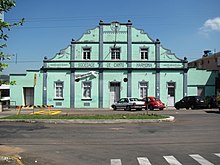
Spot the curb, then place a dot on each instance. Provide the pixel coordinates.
(90, 121)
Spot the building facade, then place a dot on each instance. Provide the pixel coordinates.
(209, 61)
(111, 61)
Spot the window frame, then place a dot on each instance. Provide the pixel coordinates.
(114, 51)
(144, 50)
(142, 88)
(86, 53)
(59, 94)
(84, 86)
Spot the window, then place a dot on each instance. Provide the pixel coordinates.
(115, 53)
(144, 53)
(86, 53)
(143, 89)
(58, 89)
(86, 90)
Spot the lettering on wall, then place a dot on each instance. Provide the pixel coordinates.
(172, 65)
(60, 65)
(86, 65)
(144, 65)
(116, 65)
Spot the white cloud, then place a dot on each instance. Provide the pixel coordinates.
(211, 25)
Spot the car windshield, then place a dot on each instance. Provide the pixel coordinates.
(133, 99)
(199, 98)
(156, 99)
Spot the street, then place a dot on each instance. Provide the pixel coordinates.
(194, 138)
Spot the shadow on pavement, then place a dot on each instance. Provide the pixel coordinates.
(217, 111)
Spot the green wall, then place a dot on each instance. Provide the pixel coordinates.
(26, 80)
(53, 76)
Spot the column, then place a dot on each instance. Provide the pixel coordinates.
(129, 58)
(157, 52)
(185, 82)
(72, 76)
(45, 84)
(100, 93)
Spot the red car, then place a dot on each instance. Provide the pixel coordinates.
(152, 103)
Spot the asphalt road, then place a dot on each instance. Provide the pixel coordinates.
(194, 135)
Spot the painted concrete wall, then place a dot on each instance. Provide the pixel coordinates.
(26, 80)
(201, 78)
(58, 76)
(171, 76)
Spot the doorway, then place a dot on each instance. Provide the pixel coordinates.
(114, 92)
(28, 95)
(171, 93)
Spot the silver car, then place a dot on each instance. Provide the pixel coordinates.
(128, 103)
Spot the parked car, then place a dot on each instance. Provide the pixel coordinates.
(128, 103)
(218, 102)
(211, 101)
(192, 102)
(152, 103)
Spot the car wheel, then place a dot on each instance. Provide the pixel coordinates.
(193, 107)
(128, 108)
(161, 109)
(151, 107)
(177, 107)
(209, 106)
(114, 107)
(187, 108)
(139, 109)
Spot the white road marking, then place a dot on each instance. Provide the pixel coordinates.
(172, 160)
(217, 154)
(116, 162)
(143, 161)
(200, 159)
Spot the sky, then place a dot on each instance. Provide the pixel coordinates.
(186, 27)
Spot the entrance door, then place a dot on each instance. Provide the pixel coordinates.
(201, 91)
(29, 96)
(171, 94)
(114, 92)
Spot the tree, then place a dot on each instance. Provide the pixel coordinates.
(6, 6)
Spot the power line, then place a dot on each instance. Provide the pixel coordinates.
(99, 17)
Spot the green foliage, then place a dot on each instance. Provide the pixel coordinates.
(6, 6)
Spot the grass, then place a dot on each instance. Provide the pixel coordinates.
(94, 117)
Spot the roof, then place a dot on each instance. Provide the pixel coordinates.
(207, 57)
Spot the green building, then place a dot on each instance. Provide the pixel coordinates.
(111, 61)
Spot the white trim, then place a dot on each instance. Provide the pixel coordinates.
(55, 89)
(90, 89)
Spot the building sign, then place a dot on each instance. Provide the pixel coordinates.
(144, 65)
(58, 65)
(172, 65)
(86, 65)
(116, 65)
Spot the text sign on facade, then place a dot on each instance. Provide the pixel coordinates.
(58, 65)
(116, 65)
